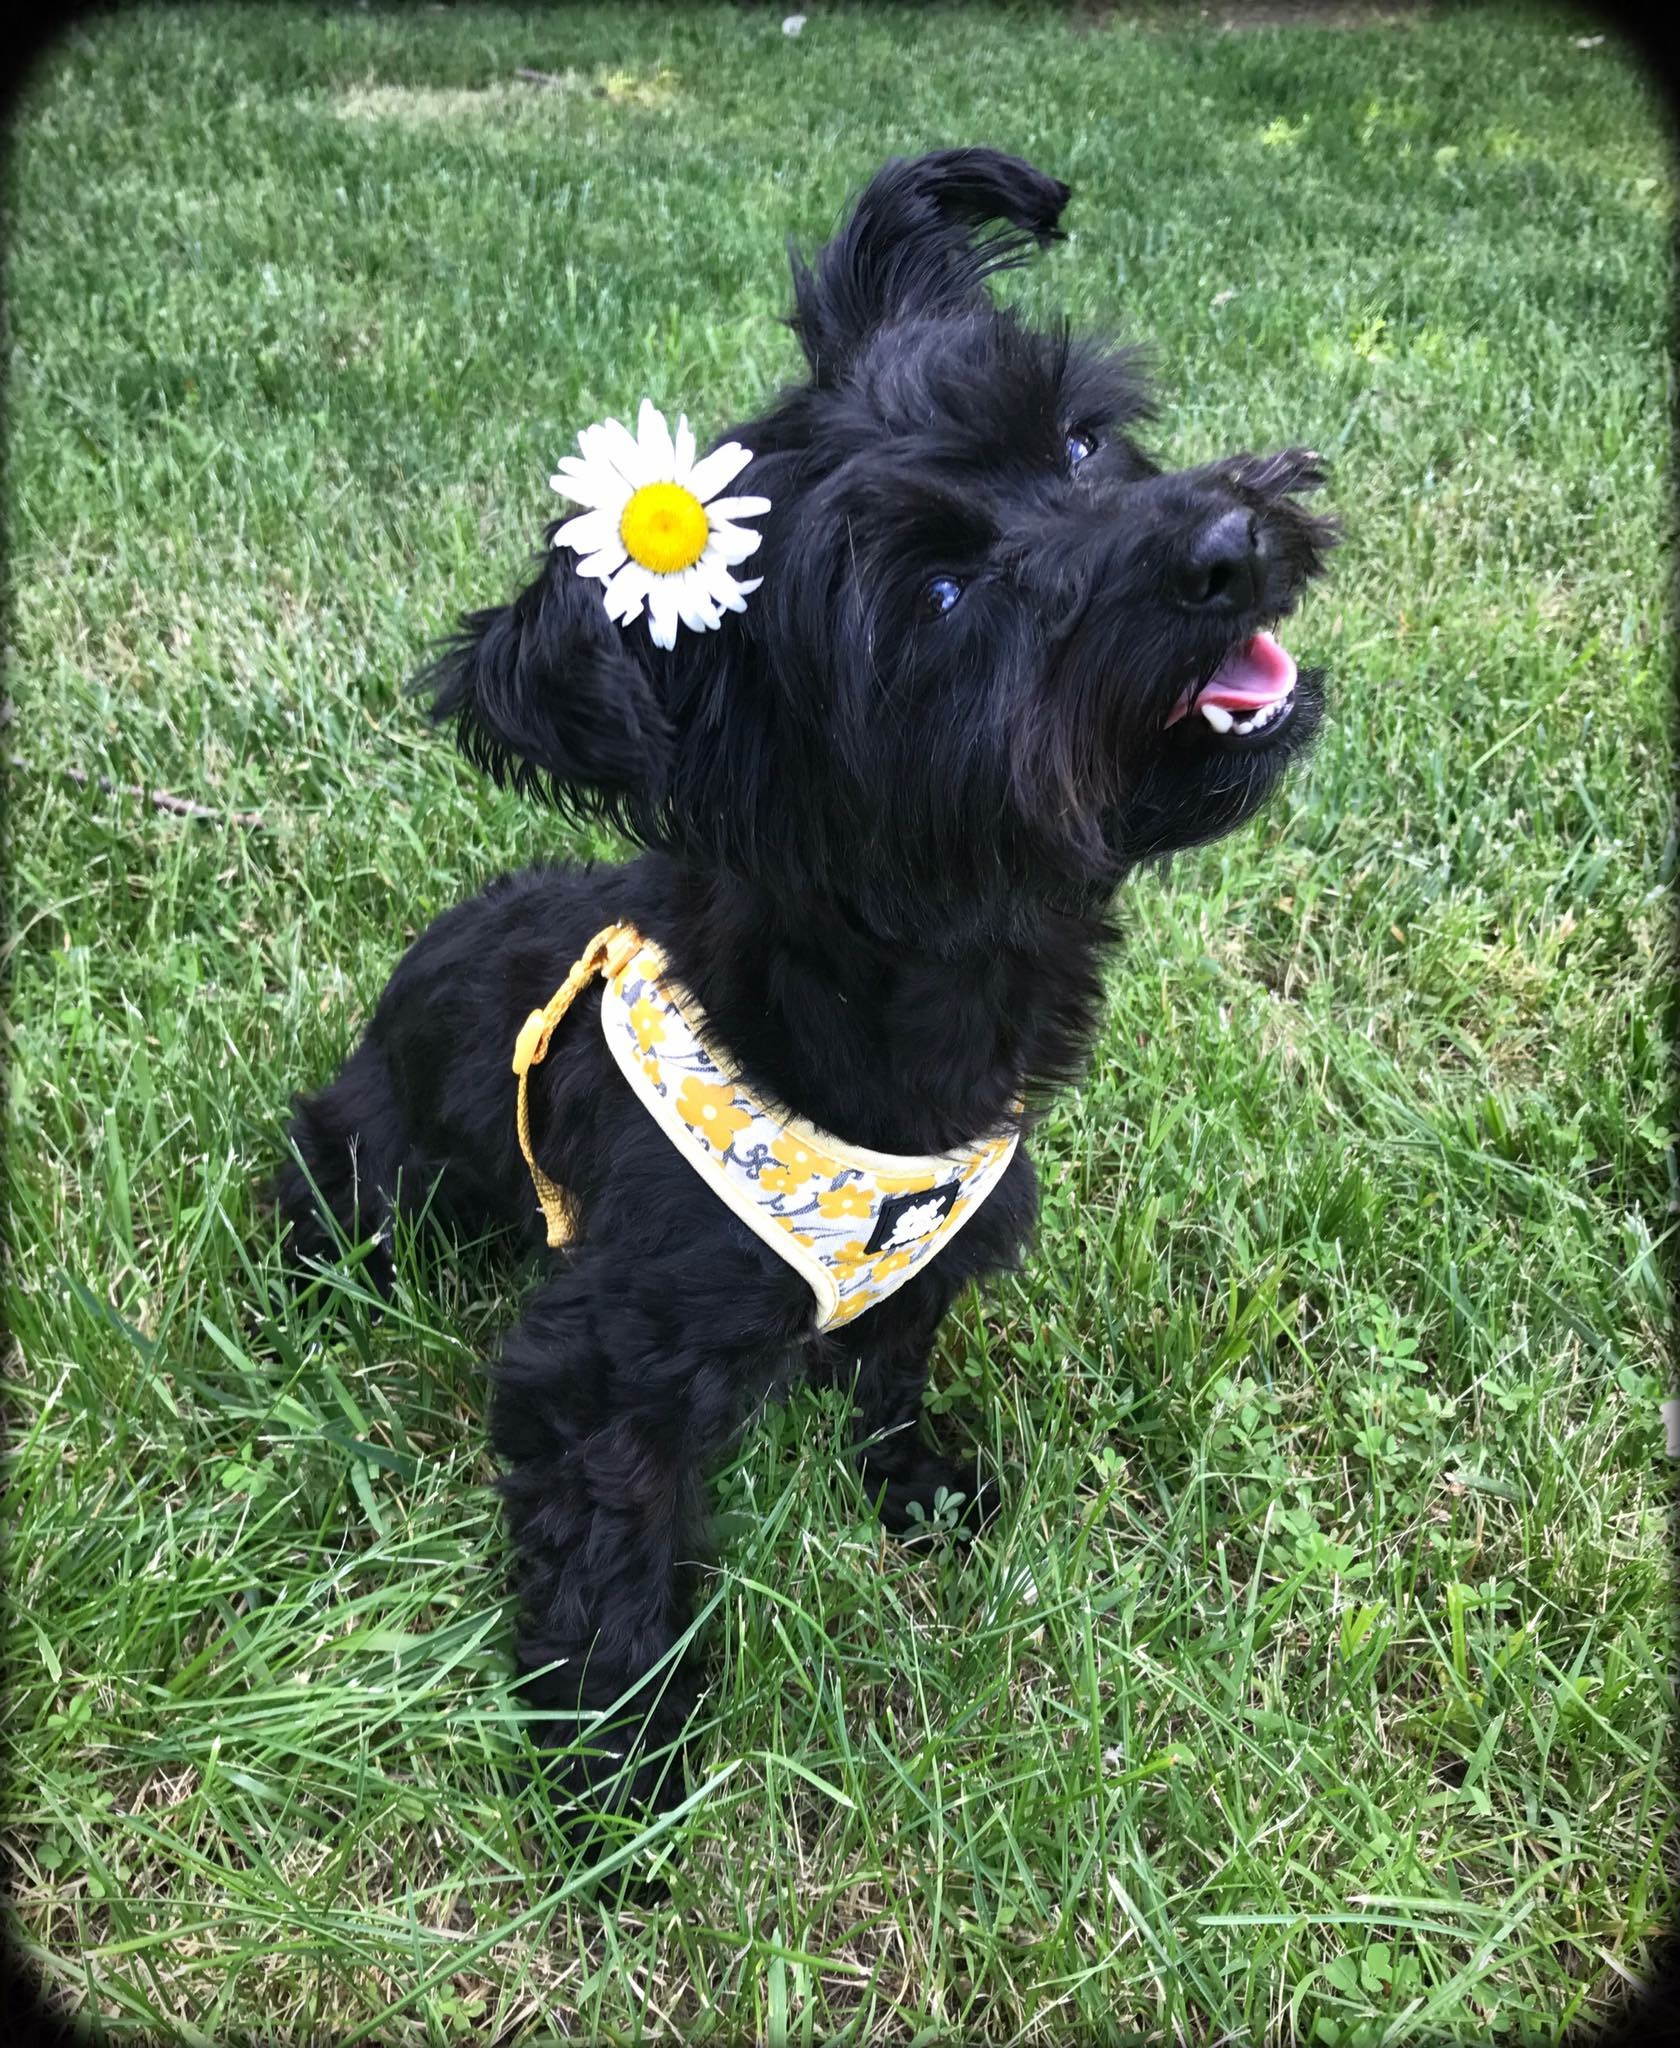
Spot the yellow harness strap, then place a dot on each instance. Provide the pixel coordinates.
(855, 1224)
(605, 954)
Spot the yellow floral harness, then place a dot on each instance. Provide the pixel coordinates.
(856, 1224)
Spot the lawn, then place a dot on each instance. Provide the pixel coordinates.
(1311, 1686)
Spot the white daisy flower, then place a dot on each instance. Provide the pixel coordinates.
(656, 533)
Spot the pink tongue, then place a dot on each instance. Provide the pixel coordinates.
(1257, 673)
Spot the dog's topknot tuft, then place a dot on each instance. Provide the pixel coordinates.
(911, 250)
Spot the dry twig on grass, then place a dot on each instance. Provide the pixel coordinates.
(159, 799)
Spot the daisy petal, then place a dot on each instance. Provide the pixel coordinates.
(685, 449)
(594, 484)
(736, 508)
(662, 615)
(653, 437)
(731, 544)
(588, 532)
(696, 598)
(605, 564)
(595, 450)
(624, 594)
(722, 466)
(613, 442)
(626, 591)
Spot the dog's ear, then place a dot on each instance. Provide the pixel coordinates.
(911, 247)
(550, 697)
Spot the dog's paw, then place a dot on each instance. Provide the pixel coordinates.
(600, 1784)
(931, 1495)
(592, 1831)
(607, 1770)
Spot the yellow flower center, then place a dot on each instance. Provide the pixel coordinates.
(665, 528)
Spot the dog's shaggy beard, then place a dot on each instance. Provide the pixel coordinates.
(1178, 801)
(1101, 767)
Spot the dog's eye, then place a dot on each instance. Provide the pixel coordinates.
(940, 595)
(1078, 447)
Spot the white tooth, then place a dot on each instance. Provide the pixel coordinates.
(1217, 716)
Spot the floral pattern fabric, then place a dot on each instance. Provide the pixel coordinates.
(857, 1224)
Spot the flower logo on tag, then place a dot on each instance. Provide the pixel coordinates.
(907, 1219)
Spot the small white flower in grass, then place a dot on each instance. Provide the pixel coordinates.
(655, 532)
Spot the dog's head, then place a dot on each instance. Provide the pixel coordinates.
(997, 650)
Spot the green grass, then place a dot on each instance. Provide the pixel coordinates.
(1311, 1686)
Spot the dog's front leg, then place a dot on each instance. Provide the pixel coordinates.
(885, 1358)
(613, 1394)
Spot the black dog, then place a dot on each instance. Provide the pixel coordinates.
(997, 659)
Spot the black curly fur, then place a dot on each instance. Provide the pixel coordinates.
(880, 847)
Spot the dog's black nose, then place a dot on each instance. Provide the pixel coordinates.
(1225, 564)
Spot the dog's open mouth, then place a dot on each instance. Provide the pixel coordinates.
(1250, 696)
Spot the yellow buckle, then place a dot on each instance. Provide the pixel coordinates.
(531, 1043)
